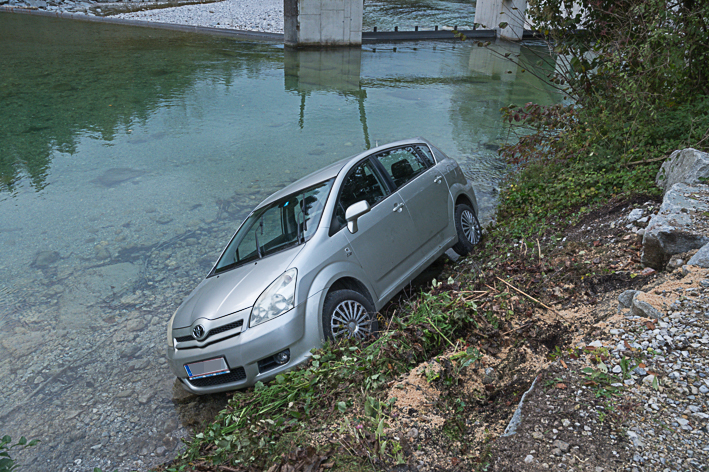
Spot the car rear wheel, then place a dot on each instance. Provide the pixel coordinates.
(348, 314)
(468, 228)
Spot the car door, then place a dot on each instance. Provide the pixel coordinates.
(382, 243)
(424, 191)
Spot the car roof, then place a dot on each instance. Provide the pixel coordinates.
(332, 170)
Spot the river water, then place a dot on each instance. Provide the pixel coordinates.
(128, 156)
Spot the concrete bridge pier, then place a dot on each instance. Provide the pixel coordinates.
(491, 13)
(319, 23)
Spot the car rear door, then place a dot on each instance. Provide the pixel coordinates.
(421, 185)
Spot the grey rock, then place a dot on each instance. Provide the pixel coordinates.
(529, 459)
(701, 258)
(686, 165)
(676, 229)
(45, 259)
(130, 351)
(641, 308)
(413, 433)
(635, 215)
(626, 298)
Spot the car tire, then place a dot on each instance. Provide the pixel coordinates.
(468, 228)
(347, 313)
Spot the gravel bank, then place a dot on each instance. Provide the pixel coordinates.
(244, 15)
(263, 16)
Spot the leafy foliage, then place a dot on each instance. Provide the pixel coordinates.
(635, 75)
(7, 464)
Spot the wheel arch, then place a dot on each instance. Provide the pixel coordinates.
(350, 283)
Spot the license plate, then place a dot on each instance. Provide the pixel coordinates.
(207, 368)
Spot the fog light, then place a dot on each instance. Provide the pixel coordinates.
(282, 357)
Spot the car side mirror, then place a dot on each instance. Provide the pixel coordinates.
(353, 212)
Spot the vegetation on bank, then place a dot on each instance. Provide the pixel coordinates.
(636, 73)
(335, 409)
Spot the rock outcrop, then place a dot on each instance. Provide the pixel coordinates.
(682, 223)
(687, 166)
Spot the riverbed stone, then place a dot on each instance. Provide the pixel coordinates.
(687, 166)
(46, 258)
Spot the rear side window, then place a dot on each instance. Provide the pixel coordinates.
(403, 164)
(361, 184)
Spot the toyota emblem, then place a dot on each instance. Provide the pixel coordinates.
(198, 332)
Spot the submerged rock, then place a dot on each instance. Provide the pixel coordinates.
(46, 258)
(116, 176)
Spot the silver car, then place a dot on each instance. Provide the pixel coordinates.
(317, 260)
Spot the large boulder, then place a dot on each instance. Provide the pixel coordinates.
(687, 166)
(682, 224)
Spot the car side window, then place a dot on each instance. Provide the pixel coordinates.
(361, 184)
(425, 151)
(403, 164)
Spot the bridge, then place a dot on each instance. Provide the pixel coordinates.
(333, 23)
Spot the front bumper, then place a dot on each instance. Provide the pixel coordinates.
(242, 353)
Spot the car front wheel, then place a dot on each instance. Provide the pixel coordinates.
(348, 314)
(468, 228)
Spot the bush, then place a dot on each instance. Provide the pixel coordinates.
(635, 76)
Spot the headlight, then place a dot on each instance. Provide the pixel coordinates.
(169, 330)
(277, 299)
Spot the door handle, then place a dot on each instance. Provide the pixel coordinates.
(398, 207)
(438, 179)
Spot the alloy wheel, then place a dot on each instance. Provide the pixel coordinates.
(350, 320)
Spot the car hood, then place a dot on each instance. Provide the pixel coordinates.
(233, 290)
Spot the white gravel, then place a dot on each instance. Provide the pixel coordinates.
(245, 15)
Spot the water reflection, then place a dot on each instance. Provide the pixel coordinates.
(50, 94)
(130, 157)
(329, 70)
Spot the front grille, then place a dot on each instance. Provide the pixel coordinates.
(226, 327)
(233, 376)
(220, 329)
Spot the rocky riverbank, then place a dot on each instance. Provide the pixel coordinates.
(632, 392)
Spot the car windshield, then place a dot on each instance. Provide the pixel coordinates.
(282, 224)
